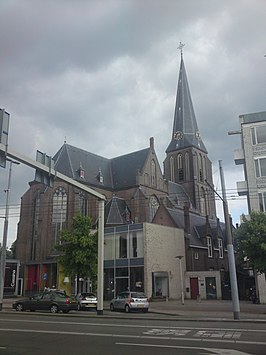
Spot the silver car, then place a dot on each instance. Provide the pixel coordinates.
(129, 301)
(86, 300)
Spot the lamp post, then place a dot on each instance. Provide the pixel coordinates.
(3, 254)
(181, 278)
(230, 247)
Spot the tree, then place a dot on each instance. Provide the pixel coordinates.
(251, 240)
(78, 249)
(10, 253)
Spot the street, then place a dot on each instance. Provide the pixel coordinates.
(43, 333)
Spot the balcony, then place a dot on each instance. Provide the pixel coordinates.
(242, 188)
(239, 156)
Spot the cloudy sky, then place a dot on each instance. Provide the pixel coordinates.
(102, 75)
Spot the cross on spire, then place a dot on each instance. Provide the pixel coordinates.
(181, 45)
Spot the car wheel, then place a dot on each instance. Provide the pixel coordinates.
(54, 308)
(112, 308)
(127, 308)
(19, 307)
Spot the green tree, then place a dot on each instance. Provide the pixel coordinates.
(251, 240)
(9, 252)
(78, 249)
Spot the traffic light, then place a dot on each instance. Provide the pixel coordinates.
(4, 127)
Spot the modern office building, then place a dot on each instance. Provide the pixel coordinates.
(252, 155)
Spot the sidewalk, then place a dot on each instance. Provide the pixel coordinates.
(205, 310)
(210, 309)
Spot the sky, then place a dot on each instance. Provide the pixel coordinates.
(102, 76)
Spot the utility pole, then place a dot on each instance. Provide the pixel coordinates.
(230, 250)
(181, 278)
(230, 247)
(3, 254)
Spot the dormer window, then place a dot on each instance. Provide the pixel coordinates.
(100, 177)
(81, 171)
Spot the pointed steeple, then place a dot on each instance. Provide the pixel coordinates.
(185, 129)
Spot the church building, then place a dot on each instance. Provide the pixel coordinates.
(153, 219)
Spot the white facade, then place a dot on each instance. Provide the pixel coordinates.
(253, 157)
(161, 267)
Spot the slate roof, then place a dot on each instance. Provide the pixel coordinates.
(184, 118)
(117, 212)
(177, 195)
(198, 226)
(124, 168)
(117, 173)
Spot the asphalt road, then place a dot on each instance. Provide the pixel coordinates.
(44, 333)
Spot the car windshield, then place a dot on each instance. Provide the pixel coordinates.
(87, 294)
(138, 295)
(59, 295)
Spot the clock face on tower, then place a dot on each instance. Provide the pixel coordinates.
(197, 134)
(178, 135)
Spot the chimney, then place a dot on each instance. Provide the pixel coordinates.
(152, 143)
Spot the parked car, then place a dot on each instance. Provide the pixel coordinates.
(129, 301)
(86, 300)
(52, 300)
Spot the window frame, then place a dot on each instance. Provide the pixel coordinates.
(221, 248)
(259, 167)
(254, 134)
(209, 246)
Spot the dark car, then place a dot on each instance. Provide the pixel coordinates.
(129, 301)
(54, 302)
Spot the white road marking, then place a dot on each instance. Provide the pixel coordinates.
(210, 350)
(220, 334)
(224, 334)
(16, 320)
(128, 336)
(176, 332)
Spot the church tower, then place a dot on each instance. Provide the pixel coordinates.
(187, 161)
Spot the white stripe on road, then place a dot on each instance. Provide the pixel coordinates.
(16, 320)
(214, 351)
(131, 336)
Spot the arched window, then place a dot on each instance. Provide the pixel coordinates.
(83, 204)
(205, 167)
(36, 218)
(59, 213)
(172, 169)
(202, 202)
(153, 207)
(180, 168)
(201, 177)
(187, 169)
(153, 173)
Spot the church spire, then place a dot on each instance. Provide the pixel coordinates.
(185, 129)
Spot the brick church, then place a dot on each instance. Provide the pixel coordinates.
(151, 217)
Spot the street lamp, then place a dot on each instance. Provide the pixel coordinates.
(3, 254)
(181, 278)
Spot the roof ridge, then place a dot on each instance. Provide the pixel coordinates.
(70, 162)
